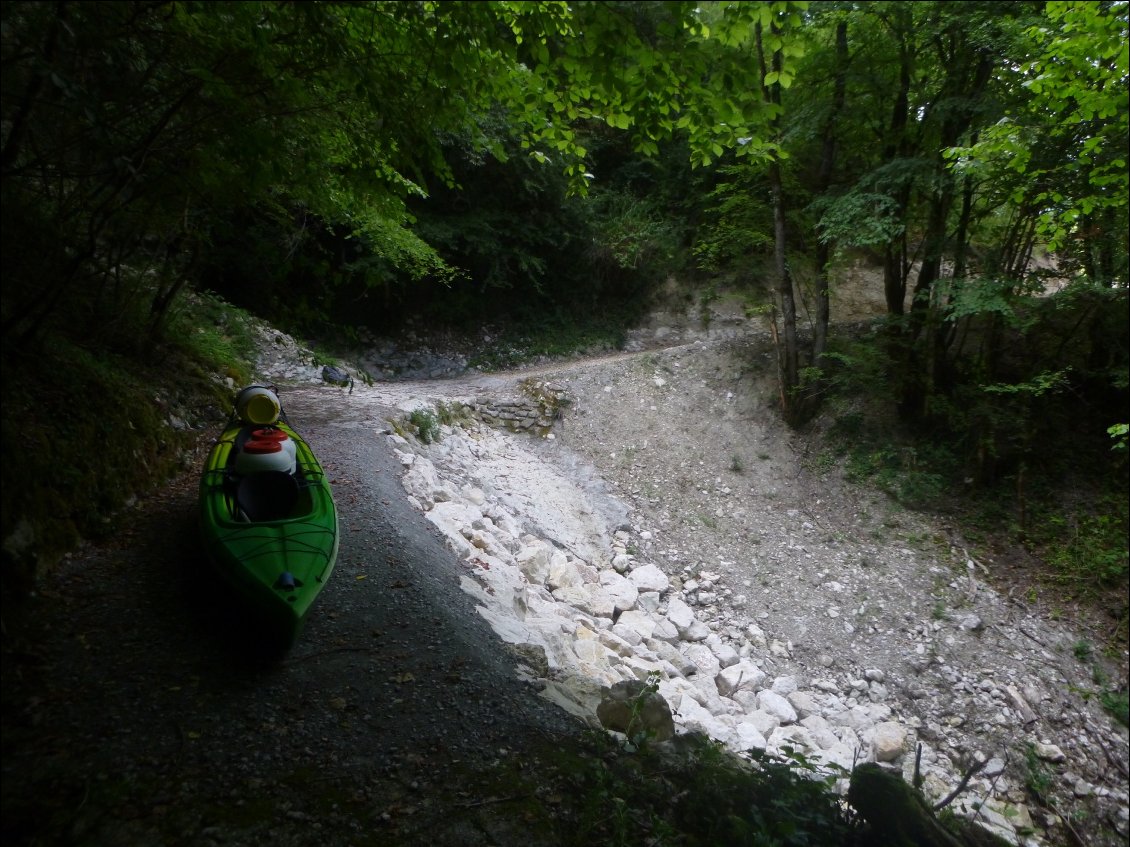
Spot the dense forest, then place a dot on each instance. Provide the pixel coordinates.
(546, 167)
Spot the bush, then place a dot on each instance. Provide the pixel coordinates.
(426, 424)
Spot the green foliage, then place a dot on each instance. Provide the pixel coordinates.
(738, 223)
(426, 424)
(1119, 434)
(1038, 778)
(1089, 550)
(84, 434)
(631, 233)
(1118, 704)
(216, 334)
(1083, 650)
(1073, 69)
(858, 218)
(530, 336)
(915, 476)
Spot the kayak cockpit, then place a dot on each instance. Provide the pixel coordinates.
(265, 496)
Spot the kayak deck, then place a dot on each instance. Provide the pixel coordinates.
(280, 563)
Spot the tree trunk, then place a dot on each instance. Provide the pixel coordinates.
(824, 179)
(895, 264)
(788, 355)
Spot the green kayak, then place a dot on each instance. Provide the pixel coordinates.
(268, 519)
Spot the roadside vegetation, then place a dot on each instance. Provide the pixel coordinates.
(170, 169)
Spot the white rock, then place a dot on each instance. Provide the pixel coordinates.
(843, 755)
(473, 495)
(741, 675)
(680, 615)
(666, 631)
(643, 668)
(697, 631)
(795, 737)
(763, 721)
(649, 602)
(643, 625)
(622, 592)
(533, 561)
(726, 654)
(784, 685)
(776, 705)
(748, 737)
(615, 643)
(804, 703)
(562, 573)
(593, 654)
(1049, 752)
(756, 636)
(888, 741)
(704, 659)
(668, 653)
(590, 599)
(691, 712)
(649, 578)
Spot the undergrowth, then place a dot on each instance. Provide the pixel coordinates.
(1014, 475)
(691, 793)
(524, 340)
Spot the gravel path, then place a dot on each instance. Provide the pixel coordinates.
(141, 711)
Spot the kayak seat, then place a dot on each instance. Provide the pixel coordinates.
(266, 496)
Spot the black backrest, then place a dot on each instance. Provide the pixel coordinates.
(266, 495)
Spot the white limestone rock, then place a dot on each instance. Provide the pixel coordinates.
(726, 654)
(590, 599)
(888, 741)
(615, 643)
(796, 737)
(563, 573)
(620, 589)
(744, 674)
(1049, 752)
(665, 631)
(649, 578)
(533, 561)
(704, 659)
(648, 601)
(640, 623)
(697, 631)
(668, 653)
(784, 685)
(804, 703)
(764, 722)
(821, 732)
(680, 615)
(776, 705)
(748, 737)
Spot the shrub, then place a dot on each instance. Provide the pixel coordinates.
(426, 424)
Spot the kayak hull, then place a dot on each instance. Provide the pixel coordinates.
(277, 565)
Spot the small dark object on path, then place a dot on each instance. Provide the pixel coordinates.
(336, 376)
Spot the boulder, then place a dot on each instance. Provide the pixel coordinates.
(631, 707)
